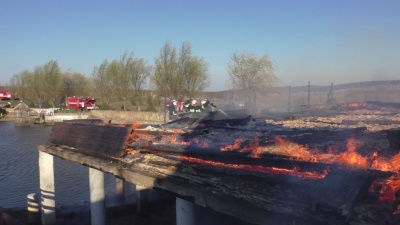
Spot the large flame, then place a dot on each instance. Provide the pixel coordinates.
(349, 158)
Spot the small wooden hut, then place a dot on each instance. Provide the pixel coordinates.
(22, 113)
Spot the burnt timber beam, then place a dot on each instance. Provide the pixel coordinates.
(99, 139)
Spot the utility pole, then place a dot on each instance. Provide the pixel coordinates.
(329, 99)
(308, 98)
(290, 93)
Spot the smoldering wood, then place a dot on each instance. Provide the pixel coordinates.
(153, 161)
(251, 199)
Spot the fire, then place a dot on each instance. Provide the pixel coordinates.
(387, 188)
(284, 147)
(353, 104)
(258, 168)
(236, 145)
(253, 147)
(350, 157)
(333, 155)
(288, 148)
(199, 143)
(136, 125)
(174, 138)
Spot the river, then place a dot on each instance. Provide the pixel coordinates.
(19, 169)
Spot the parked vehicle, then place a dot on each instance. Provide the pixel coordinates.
(5, 95)
(83, 103)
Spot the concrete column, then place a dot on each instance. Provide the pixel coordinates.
(47, 191)
(120, 191)
(97, 197)
(142, 195)
(185, 212)
(33, 209)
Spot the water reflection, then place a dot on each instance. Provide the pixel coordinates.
(19, 169)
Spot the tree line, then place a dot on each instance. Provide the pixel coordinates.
(175, 73)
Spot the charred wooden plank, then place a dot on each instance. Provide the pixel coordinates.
(98, 139)
(339, 190)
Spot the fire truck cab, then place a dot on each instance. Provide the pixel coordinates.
(5, 95)
(83, 103)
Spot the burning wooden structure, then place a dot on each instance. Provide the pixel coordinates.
(251, 170)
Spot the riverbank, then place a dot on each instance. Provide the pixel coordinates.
(109, 116)
(9, 116)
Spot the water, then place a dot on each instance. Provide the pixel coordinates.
(223, 112)
(19, 169)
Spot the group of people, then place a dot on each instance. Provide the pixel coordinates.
(189, 106)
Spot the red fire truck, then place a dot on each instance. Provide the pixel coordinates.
(83, 103)
(5, 95)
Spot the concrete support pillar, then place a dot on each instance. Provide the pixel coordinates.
(33, 209)
(120, 187)
(185, 212)
(142, 195)
(97, 197)
(47, 190)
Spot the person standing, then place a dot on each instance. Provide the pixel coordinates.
(193, 107)
(173, 115)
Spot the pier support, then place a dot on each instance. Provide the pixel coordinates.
(47, 190)
(120, 187)
(97, 197)
(33, 209)
(142, 195)
(185, 212)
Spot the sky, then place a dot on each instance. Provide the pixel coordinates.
(316, 41)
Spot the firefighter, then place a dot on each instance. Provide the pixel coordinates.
(172, 110)
(180, 104)
(187, 104)
(192, 107)
(205, 105)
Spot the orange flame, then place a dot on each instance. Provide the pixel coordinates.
(136, 125)
(387, 188)
(234, 146)
(258, 168)
(350, 158)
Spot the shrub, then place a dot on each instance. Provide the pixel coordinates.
(150, 104)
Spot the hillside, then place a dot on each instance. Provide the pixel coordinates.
(277, 98)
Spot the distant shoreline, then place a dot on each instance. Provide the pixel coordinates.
(7, 118)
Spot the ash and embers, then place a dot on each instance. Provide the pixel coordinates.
(345, 139)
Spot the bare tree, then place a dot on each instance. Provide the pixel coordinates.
(102, 85)
(179, 73)
(20, 84)
(251, 73)
(52, 82)
(138, 71)
(165, 70)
